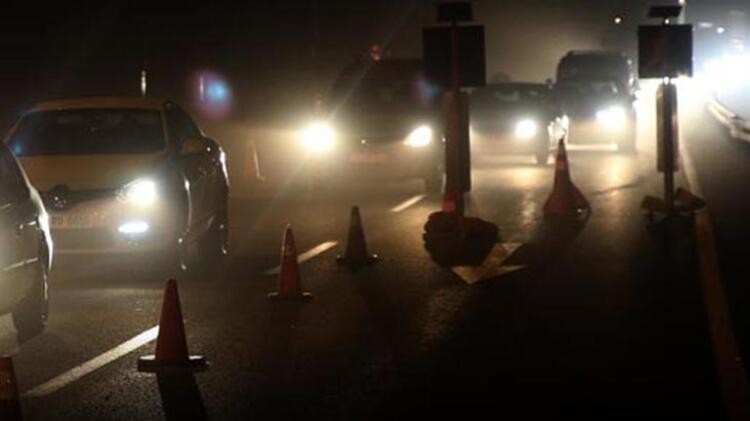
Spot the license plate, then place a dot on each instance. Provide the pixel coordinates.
(71, 221)
(369, 158)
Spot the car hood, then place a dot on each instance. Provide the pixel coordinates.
(385, 125)
(507, 114)
(589, 104)
(89, 172)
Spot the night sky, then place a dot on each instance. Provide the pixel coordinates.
(273, 54)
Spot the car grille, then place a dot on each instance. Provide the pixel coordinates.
(82, 239)
(62, 198)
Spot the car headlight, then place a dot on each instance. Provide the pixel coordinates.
(139, 192)
(419, 137)
(612, 117)
(526, 129)
(318, 137)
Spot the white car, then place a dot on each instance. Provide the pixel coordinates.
(125, 175)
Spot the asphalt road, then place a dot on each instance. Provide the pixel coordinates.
(605, 320)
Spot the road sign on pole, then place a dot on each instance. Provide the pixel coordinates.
(665, 52)
(455, 11)
(438, 55)
(454, 57)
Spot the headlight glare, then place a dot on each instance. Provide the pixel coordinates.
(140, 192)
(612, 117)
(526, 129)
(419, 137)
(318, 137)
(133, 227)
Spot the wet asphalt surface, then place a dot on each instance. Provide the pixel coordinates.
(606, 319)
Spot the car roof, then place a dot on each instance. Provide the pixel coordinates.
(609, 53)
(100, 102)
(521, 85)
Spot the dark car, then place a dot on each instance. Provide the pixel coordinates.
(124, 176)
(514, 118)
(381, 120)
(599, 65)
(599, 111)
(27, 249)
(597, 91)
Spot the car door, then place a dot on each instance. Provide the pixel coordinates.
(19, 232)
(196, 168)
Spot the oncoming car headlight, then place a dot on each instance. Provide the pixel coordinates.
(318, 137)
(526, 129)
(612, 117)
(139, 192)
(419, 137)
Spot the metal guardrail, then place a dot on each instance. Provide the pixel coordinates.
(739, 128)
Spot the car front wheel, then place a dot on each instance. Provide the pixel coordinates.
(216, 243)
(30, 314)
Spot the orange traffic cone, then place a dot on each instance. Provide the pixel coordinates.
(10, 405)
(171, 345)
(290, 287)
(565, 198)
(356, 249)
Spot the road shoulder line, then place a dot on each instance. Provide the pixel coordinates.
(731, 372)
(93, 364)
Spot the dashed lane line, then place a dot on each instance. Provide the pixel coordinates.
(408, 203)
(315, 251)
(93, 364)
(733, 382)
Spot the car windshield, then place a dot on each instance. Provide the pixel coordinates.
(508, 96)
(383, 87)
(595, 88)
(88, 132)
(592, 65)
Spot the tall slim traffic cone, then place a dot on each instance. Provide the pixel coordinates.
(565, 198)
(356, 254)
(10, 405)
(171, 344)
(290, 286)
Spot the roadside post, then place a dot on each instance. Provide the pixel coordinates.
(665, 52)
(454, 58)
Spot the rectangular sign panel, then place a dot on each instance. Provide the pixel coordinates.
(456, 11)
(437, 48)
(665, 51)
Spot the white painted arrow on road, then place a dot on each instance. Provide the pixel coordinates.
(492, 267)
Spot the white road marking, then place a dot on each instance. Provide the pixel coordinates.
(492, 267)
(93, 364)
(319, 249)
(408, 203)
(730, 367)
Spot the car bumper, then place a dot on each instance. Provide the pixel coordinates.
(386, 162)
(107, 226)
(483, 143)
(591, 131)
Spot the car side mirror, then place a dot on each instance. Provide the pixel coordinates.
(195, 146)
